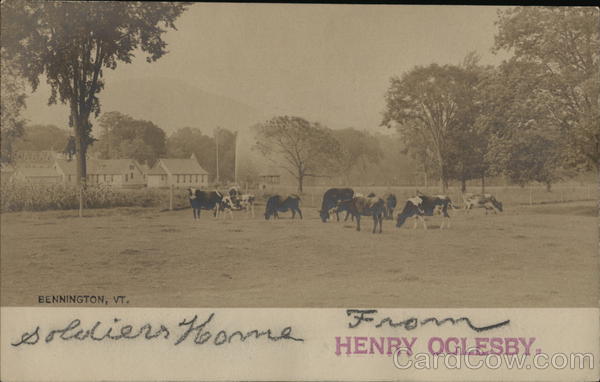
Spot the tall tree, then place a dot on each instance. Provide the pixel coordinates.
(563, 44)
(301, 148)
(525, 144)
(72, 42)
(12, 103)
(431, 106)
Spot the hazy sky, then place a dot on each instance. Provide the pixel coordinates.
(329, 63)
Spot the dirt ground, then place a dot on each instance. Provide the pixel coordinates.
(541, 256)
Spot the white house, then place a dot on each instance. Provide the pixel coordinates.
(125, 173)
(177, 172)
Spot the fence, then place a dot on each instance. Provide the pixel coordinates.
(509, 195)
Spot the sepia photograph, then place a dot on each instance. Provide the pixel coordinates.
(245, 155)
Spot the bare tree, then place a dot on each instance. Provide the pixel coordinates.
(299, 147)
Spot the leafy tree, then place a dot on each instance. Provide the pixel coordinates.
(359, 149)
(302, 148)
(529, 154)
(12, 103)
(73, 42)
(562, 44)
(42, 137)
(525, 144)
(431, 107)
(125, 137)
(188, 140)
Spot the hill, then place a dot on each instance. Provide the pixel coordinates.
(169, 104)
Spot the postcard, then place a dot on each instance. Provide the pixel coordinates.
(299, 192)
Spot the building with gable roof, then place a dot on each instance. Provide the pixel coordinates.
(125, 173)
(177, 172)
(36, 175)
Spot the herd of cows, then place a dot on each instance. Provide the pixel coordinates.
(336, 200)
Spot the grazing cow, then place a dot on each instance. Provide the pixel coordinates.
(330, 202)
(369, 206)
(487, 201)
(423, 205)
(226, 205)
(204, 200)
(237, 201)
(278, 203)
(390, 205)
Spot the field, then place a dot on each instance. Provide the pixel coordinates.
(528, 256)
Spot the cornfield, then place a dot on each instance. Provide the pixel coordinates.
(39, 197)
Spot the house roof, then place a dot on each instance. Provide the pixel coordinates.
(98, 166)
(38, 172)
(156, 170)
(182, 166)
(110, 166)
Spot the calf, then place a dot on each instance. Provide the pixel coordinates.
(278, 203)
(423, 205)
(331, 198)
(369, 206)
(204, 200)
(487, 201)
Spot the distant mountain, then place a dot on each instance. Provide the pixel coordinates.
(169, 104)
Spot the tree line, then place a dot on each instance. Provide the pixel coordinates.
(361, 157)
(535, 117)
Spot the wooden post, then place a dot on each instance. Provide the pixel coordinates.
(81, 185)
(171, 197)
(530, 196)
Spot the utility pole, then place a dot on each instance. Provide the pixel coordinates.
(217, 144)
(235, 158)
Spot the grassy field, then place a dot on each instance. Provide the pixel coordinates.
(537, 256)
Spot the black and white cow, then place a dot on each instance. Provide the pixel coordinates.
(487, 201)
(423, 205)
(241, 202)
(390, 205)
(278, 203)
(370, 206)
(204, 200)
(331, 198)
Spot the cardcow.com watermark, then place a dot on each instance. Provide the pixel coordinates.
(458, 353)
(473, 359)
